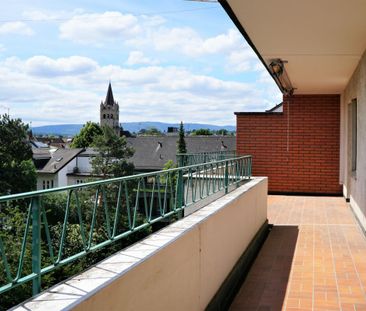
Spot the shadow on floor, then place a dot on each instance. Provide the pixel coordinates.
(266, 283)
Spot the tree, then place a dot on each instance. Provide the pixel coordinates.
(182, 148)
(113, 153)
(17, 171)
(151, 131)
(204, 132)
(223, 132)
(85, 138)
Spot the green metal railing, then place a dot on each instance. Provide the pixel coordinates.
(184, 159)
(116, 207)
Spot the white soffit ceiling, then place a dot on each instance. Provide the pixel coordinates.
(322, 40)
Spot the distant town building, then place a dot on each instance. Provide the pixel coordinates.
(61, 167)
(172, 131)
(109, 112)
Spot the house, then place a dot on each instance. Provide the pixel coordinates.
(55, 170)
(153, 152)
(62, 167)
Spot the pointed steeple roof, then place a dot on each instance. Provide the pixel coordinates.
(109, 100)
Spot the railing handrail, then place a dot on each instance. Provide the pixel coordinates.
(29, 194)
(207, 152)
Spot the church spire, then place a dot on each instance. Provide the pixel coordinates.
(109, 100)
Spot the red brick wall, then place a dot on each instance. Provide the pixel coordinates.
(297, 149)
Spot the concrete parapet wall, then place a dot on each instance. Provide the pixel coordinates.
(181, 267)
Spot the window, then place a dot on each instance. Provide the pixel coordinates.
(354, 134)
(47, 184)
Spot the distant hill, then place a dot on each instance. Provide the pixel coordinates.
(73, 129)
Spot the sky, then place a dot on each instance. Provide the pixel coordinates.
(167, 60)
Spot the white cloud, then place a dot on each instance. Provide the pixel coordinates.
(15, 28)
(49, 15)
(146, 35)
(138, 58)
(188, 41)
(48, 67)
(242, 60)
(150, 93)
(99, 28)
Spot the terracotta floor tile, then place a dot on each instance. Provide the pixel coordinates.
(313, 259)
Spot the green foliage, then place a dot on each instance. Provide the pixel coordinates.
(151, 131)
(86, 136)
(17, 171)
(113, 153)
(204, 132)
(222, 132)
(171, 177)
(182, 148)
(12, 226)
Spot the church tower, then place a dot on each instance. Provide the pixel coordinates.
(109, 112)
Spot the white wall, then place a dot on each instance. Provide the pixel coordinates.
(62, 173)
(84, 165)
(355, 184)
(46, 177)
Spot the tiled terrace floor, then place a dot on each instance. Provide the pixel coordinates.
(313, 259)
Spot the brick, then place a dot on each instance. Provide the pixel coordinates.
(301, 158)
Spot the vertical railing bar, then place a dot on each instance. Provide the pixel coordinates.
(196, 185)
(64, 227)
(36, 245)
(48, 235)
(118, 206)
(80, 217)
(188, 187)
(93, 220)
(24, 244)
(226, 177)
(127, 198)
(146, 207)
(159, 194)
(165, 193)
(137, 200)
(173, 200)
(152, 200)
(106, 213)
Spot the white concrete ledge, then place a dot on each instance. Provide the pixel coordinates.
(181, 267)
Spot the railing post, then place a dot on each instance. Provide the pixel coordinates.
(250, 167)
(226, 180)
(36, 244)
(180, 191)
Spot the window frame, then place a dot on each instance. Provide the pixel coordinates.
(354, 136)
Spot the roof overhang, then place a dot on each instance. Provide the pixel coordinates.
(321, 41)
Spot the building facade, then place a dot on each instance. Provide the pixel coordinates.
(109, 112)
(297, 146)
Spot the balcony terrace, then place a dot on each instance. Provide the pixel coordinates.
(313, 258)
